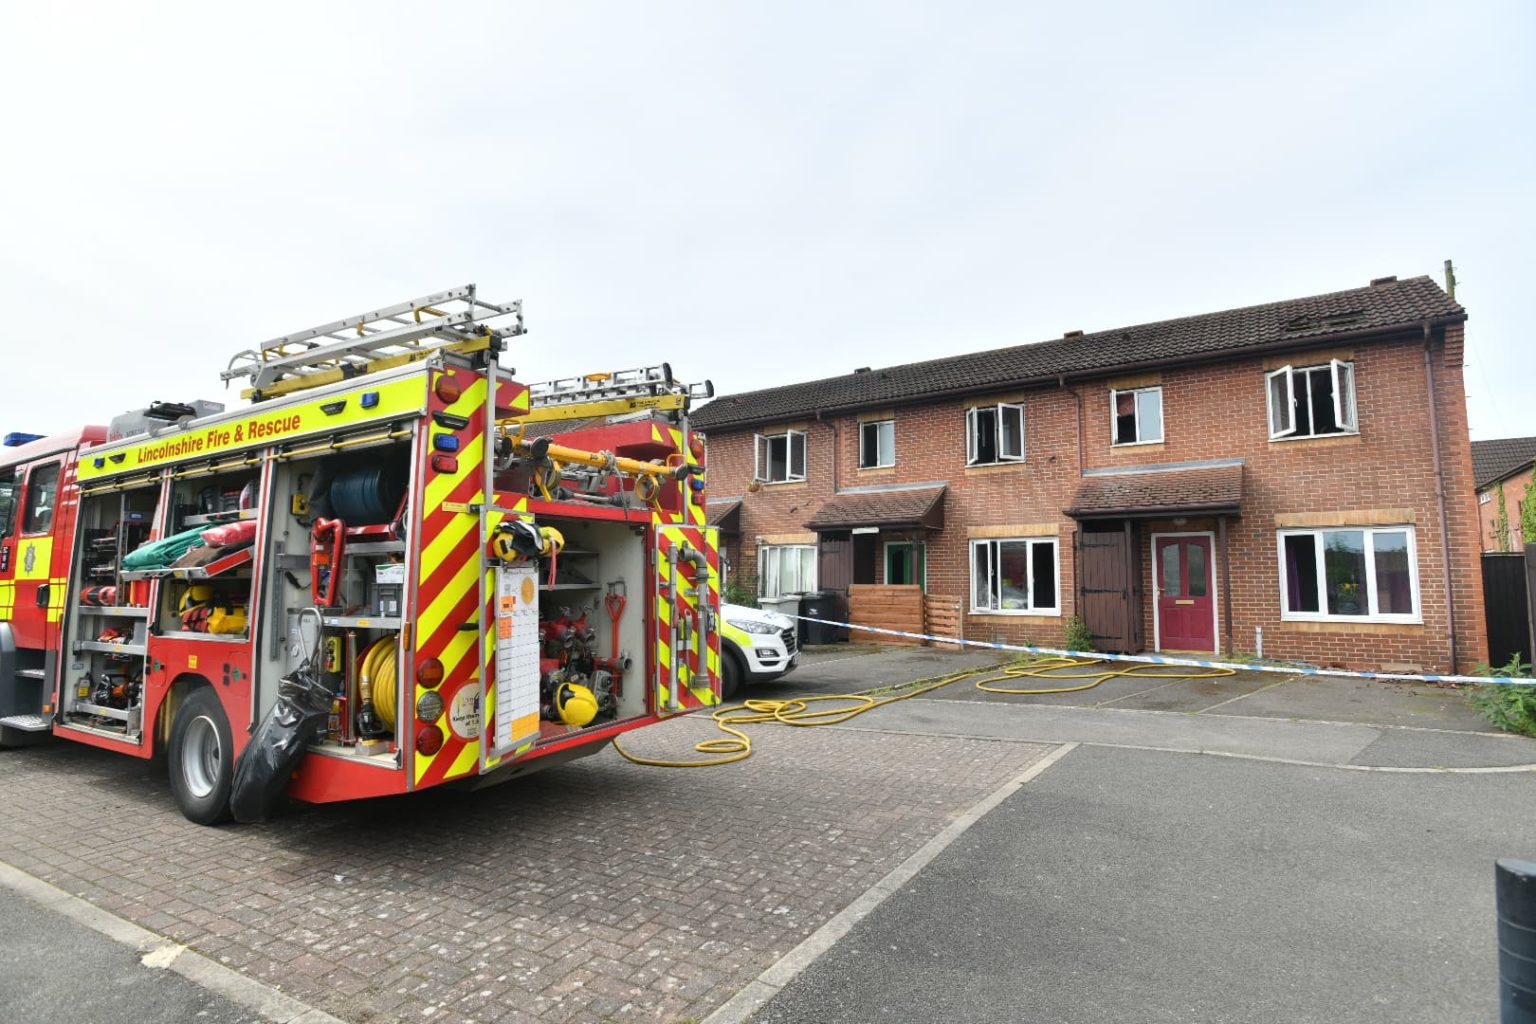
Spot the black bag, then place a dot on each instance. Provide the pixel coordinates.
(267, 763)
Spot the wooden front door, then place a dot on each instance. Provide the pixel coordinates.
(1186, 605)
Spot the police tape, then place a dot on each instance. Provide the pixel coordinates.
(1156, 659)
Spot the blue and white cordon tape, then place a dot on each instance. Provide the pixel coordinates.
(1154, 659)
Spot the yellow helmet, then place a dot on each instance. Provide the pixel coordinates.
(575, 704)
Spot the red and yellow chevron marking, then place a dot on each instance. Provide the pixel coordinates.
(453, 569)
(692, 502)
(700, 683)
(449, 588)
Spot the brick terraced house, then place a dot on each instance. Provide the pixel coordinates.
(1293, 477)
(1506, 465)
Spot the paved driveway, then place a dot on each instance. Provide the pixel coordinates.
(598, 891)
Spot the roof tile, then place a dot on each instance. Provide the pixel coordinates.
(1184, 490)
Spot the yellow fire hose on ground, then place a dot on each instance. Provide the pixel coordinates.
(799, 711)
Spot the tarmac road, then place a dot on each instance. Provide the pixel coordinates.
(1146, 886)
(59, 971)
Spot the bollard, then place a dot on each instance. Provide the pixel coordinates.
(1515, 895)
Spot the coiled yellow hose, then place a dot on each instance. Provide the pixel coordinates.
(378, 665)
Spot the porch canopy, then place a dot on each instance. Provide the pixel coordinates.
(1148, 493)
(887, 507)
(724, 514)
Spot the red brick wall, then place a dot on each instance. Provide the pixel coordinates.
(1209, 412)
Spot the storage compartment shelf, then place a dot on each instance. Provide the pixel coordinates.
(82, 708)
(570, 586)
(375, 547)
(197, 634)
(218, 567)
(362, 621)
(106, 648)
(116, 611)
(209, 518)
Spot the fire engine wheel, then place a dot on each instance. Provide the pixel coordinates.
(202, 758)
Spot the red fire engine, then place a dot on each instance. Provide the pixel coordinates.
(480, 588)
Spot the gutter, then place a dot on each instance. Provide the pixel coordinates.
(1096, 373)
(1445, 540)
(1151, 510)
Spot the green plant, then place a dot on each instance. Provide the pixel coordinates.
(1079, 636)
(1528, 514)
(1508, 706)
(734, 592)
(1500, 516)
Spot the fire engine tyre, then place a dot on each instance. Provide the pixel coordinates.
(202, 758)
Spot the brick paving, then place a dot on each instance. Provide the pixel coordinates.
(597, 891)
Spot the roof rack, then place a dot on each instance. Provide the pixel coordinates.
(613, 393)
(456, 319)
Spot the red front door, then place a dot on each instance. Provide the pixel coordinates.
(1186, 609)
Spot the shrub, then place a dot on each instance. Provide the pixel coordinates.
(1079, 636)
(1511, 708)
(734, 592)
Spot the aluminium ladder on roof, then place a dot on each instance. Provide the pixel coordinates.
(644, 381)
(387, 336)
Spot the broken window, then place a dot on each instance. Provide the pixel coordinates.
(1349, 574)
(1138, 415)
(779, 457)
(1312, 401)
(1015, 576)
(877, 444)
(994, 433)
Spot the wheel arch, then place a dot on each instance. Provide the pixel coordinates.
(176, 694)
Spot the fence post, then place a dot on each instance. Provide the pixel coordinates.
(1515, 899)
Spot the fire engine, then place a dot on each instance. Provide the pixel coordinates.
(485, 577)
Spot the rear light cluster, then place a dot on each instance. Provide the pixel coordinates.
(444, 458)
(429, 707)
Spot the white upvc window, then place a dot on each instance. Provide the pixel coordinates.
(877, 444)
(994, 434)
(1349, 574)
(785, 569)
(1018, 577)
(779, 457)
(1136, 415)
(1312, 401)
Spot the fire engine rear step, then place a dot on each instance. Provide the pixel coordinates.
(27, 723)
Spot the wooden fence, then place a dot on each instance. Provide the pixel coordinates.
(886, 607)
(945, 618)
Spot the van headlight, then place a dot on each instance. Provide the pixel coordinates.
(752, 626)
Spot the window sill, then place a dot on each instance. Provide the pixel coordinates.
(1352, 625)
(998, 613)
(877, 470)
(983, 468)
(1320, 440)
(1137, 444)
(780, 484)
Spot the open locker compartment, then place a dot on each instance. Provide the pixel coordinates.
(106, 627)
(569, 630)
(338, 546)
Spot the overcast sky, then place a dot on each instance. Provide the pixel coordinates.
(757, 193)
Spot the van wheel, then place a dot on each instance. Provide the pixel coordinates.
(202, 758)
(730, 676)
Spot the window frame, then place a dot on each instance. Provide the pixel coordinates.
(918, 556)
(1114, 424)
(1371, 591)
(762, 458)
(1342, 375)
(994, 543)
(777, 550)
(973, 441)
(8, 519)
(28, 528)
(863, 451)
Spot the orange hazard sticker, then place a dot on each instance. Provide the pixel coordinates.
(503, 627)
(508, 604)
